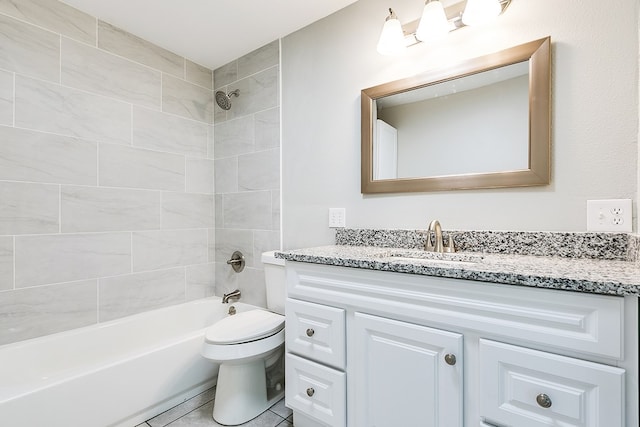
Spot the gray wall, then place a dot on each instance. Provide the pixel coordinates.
(594, 118)
(247, 170)
(106, 172)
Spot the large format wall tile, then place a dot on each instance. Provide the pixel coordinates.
(28, 208)
(94, 70)
(54, 16)
(200, 281)
(180, 210)
(226, 175)
(234, 137)
(29, 50)
(225, 75)
(33, 312)
(257, 92)
(154, 250)
(165, 132)
(53, 108)
(6, 98)
(253, 288)
(122, 166)
(45, 157)
(134, 293)
(248, 210)
(199, 175)
(186, 99)
(106, 209)
(6, 263)
(125, 44)
(196, 73)
(229, 241)
(267, 132)
(260, 59)
(67, 257)
(259, 171)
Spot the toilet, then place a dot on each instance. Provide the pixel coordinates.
(246, 345)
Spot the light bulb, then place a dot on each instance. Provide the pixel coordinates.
(391, 40)
(433, 24)
(479, 12)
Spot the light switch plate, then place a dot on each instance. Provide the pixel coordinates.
(610, 215)
(337, 217)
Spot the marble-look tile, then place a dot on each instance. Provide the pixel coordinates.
(234, 137)
(210, 145)
(228, 241)
(260, 59)
(186, 99)
(280, 409)
(225, 75)
(252, 285)
(219, 211)
(259, 171)
(6, 98)
(64, 258)
(29, 208)
(94, 70)
(267, 131)
(6, 263)
(122, 166)
(257, 92)
(264, 241)
(226, 279)
(180, 210)
(275, 210)
(211, 237)
(104, 209)
(184, 408)
(199, 75)
(134, 293)
(200, 175)
(54, 16)
(166, 132)
(226, 175)
(34, 312)
(29, 50)
(120, 42)
(53, 108)
(27, 155)
(251, 209)
(155, 250)
(201, 417)
(200, 281)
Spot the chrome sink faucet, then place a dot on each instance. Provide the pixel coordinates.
(435, 227)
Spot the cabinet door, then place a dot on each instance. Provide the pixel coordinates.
(520, 387)
(405, 374)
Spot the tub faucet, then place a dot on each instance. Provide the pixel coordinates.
(232, 294)
(437, 229)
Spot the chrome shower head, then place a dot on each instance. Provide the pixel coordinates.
(224, 99)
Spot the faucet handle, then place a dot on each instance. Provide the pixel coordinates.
(450, 246)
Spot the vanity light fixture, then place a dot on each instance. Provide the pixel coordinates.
(436, 22)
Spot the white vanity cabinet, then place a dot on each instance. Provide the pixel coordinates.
(369, 348)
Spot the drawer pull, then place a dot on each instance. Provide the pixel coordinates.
(450, 359)
(310, 332)
(310, 391)
(543, 400)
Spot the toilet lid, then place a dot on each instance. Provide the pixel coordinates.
(243, 327)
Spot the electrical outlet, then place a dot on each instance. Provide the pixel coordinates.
(609, 215)
(337, 217)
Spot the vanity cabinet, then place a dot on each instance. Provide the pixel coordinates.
(371, 348)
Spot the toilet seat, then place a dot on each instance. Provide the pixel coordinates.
(244, 327)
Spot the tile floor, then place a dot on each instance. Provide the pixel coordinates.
(196, 412)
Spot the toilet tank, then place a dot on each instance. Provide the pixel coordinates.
(275, 282)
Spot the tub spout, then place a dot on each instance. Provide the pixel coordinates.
(232, 294)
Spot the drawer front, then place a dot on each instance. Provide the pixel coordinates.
(521, 387)
(316, 331)
(316, 391)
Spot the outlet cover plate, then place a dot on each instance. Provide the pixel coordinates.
(614, 215)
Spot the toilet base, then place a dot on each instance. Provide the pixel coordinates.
(241, 393)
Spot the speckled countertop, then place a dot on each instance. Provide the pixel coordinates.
(610, 266)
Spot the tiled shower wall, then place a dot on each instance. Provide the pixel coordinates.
(106, 172)
(247, 170)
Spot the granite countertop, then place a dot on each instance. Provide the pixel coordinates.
(600, 276)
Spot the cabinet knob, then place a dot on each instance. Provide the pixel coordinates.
(310, 391)
(310, 332)
(450, 359)
(543, 400)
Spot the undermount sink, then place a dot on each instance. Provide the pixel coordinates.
(413, 255)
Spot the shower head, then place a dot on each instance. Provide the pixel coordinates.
(224, 99)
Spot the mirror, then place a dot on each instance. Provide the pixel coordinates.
(482, 123)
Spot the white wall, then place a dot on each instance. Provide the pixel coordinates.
(594, 118)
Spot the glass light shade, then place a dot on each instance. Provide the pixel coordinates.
(479, 12)
(433, 24)
(391, 40)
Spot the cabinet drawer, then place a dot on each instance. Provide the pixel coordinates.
(521, 387)
(316, 331)
(316, 391)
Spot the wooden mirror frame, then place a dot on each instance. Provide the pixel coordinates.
(538, 53)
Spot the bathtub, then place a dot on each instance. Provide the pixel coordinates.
(117, 373)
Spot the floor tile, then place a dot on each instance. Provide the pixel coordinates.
(184, 408)
(202, 417)
(280, 409)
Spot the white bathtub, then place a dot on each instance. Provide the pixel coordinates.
(117, 373)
